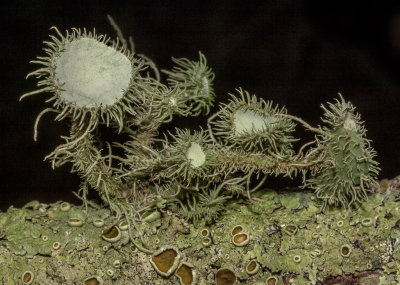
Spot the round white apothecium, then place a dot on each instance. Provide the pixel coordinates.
(92, 74)
(196, 155)
(248, 121)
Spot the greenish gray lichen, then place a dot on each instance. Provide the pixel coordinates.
(375, 250)
(186, 206)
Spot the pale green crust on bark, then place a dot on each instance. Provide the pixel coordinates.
(308, 256)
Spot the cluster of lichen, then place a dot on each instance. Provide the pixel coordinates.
(193, 173)
(282, 239)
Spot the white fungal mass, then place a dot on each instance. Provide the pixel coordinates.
(249, 121)
(91, 73)
(196, 155)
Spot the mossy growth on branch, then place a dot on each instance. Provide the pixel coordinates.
(93, 82)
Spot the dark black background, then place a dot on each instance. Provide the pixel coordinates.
(296, 53)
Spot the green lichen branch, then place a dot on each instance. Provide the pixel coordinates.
(193, 173)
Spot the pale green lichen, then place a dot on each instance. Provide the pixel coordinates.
(290, 229)
(27, 277)
(272, 249)
(206, 241)
(241, 239)
(65, 206)
(75, 222)
(165, 261)
(56, 245)
(205, 233)
(186, 274)
(151, 216)
(93, 280)
(193, 173)
(189, 202)
(297, 258)
(225, 276)
(117, 263)
(345, 250)
(112, 234)
(98, 223)
(252, 267)
(367, 222)
(123, 226)
(236, 230)
(272, 280)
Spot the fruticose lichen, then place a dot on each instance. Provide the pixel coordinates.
(190, 207)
